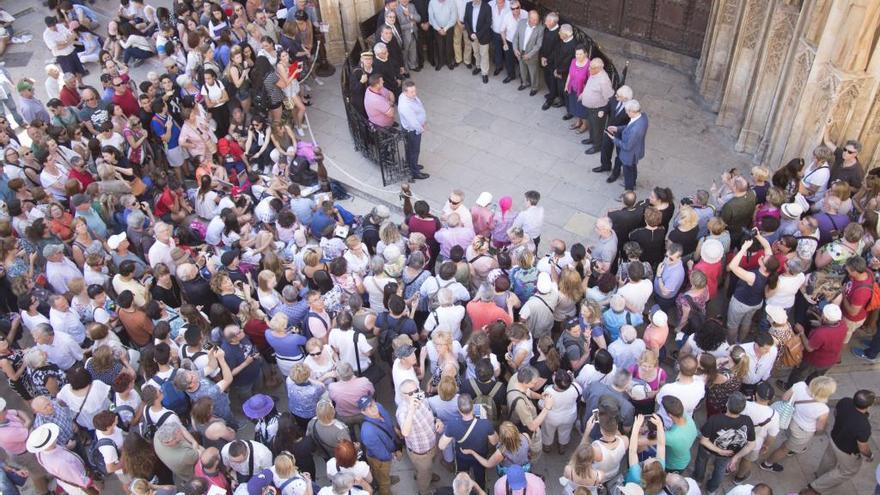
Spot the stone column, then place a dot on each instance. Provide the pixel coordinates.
(719, 49)
(775, 56)
(756, 17)
(841, 81)
(347, 13)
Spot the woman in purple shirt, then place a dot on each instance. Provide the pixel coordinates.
(578, 73)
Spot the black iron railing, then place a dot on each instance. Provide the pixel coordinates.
(386, 147)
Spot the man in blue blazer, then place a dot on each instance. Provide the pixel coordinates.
(630, 142)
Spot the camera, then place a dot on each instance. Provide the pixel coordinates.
(748, 234)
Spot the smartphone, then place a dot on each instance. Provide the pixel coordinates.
(479, 412)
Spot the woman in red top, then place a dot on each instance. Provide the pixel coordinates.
(423, 222)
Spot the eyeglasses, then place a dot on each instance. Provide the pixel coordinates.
(514, 8)
(453, 202)
(411, 392)
(851, 152)
(315, 354)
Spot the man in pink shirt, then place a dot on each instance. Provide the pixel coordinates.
(518, 482)
(346, 392)
(379, 102)
(66, 467)
(14, 427)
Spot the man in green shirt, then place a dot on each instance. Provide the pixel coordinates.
(680, 436)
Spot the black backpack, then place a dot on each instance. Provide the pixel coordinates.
(96, 458)
(148, 428)
(696, 317)
(387, 334)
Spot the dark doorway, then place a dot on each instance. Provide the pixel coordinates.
(677, 25)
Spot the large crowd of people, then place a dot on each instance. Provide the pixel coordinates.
(180, 315)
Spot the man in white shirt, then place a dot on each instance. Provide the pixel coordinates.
(500, 10)
(447, 316)
(766, 423)
(60, 41)
(60, 348)
(445, 279)
(59, 269)
(762, 354)
(160, 251)
(686, 388)
(350, 346)
(455, 204)
(404, 369)
(531, 219)
(64, 319)
(509, 22)
(638, 290)
(237, 455)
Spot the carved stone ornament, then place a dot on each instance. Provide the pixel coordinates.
(756, 10)
(803, 62)
(728, 11)
(781, 33)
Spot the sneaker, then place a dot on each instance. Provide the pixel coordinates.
(860, 353)
(776, 468)
(20, 40)
(739, 481)
(300, 132)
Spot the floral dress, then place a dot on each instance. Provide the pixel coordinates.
(716, 395)
(36, 379)
(20, 386)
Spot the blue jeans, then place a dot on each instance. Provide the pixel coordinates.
(719, 467)
(134, 52)
(9, 103)
(630, 172)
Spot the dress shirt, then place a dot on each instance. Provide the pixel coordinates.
(597, 90)
(456, 236)
(54, 37)
(510, 23)
(498, 15)
(63, 352)
(60, 273)
(531, 220)
(14, 433)
(61, 416)
(459, 6)
(69, 323)
(66, 466)
(412, 114)
(475, 16)
(161, 253)
(527, 34)
(442, 14)
(422, 436)
(759, 368)
(377, 106)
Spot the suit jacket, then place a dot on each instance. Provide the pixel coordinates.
(533, 44)
(615, 118)
(631, 140)
(389, 73)
(549, 43)
(395, 54)
(380, 21)
(564, 55)
(484, 22)
(422, 9)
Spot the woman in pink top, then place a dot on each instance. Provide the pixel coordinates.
(195, 135)
(656, 332)
(578, 72)
(501, 223)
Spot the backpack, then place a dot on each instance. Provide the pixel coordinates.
(148, 427)
(696, 317)
(791, 351)
(874, 303)
(117, 409)
(96, 459)
(306, 331)
(387, 334)
(433, 299)
(524, 283)
(486, 401)
(173, 399)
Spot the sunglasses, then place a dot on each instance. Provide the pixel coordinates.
(454, 202)
(851, 152)
(315, 354)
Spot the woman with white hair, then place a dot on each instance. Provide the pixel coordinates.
(376, 282)
(447, 316)
(40, 376)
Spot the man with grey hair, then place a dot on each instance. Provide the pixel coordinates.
(343, 483)
(526, 46)
(549, 44)
(604, 250)
(615, 115)
(677, 484)
(471, 434)
(135, 231)
(464, 485)
(176, 452)
(345, 394)
(523, 412)
(630, 141)
(594, 98)
(417, 428)
(65, 319)
(562, 58)
(617, 391)
(384, 67)
(628, 348)
(60, 348)
(160, 251)
(197, 386)
(60, 271)
(447, 316)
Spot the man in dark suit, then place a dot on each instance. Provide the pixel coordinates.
(424, 34)
(479, 28)
(630, 142)
(627, 219)
(563, 55)
(383, 66)
(395, 51)
(390, 6)
(617, 117)
(549, 44)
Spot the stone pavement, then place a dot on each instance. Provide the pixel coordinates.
(491, 137)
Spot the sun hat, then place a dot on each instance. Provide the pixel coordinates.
(258, 406)
(484, 199)
(712, 251)
(42, 438)
(545, 284)
(832, 313)
(776, 314)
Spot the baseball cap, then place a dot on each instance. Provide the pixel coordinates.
(403, 351)
(484, 199)
(23, 85)
(364, 402)
(229, 256)
(831, 312)
(516, 477)
(114, 241)
(776, 314)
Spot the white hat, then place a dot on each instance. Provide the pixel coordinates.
(712, 251)
(42, 438)
(2, 404)
(630, 489)
(776, 314)
(114, 241)
(659, 318)
(484, 199)
(792, 210)
(832, 313)
(545, 284)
